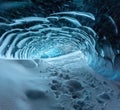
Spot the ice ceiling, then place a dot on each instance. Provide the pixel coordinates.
(56, 35)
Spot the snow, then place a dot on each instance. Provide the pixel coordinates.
(55, 84)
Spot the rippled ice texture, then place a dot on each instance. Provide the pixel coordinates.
(57, 35)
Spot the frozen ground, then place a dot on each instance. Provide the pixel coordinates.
(55, 84)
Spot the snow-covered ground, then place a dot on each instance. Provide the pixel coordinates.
(63, 83)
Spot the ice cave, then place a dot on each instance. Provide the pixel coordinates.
(59, 55)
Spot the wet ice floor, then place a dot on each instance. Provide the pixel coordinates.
(47, 85)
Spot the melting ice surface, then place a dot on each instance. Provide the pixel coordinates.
(57, 35)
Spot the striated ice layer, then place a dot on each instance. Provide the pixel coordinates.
(59, 34)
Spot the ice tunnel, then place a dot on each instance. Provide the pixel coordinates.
(56, 35)
(59, 55)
